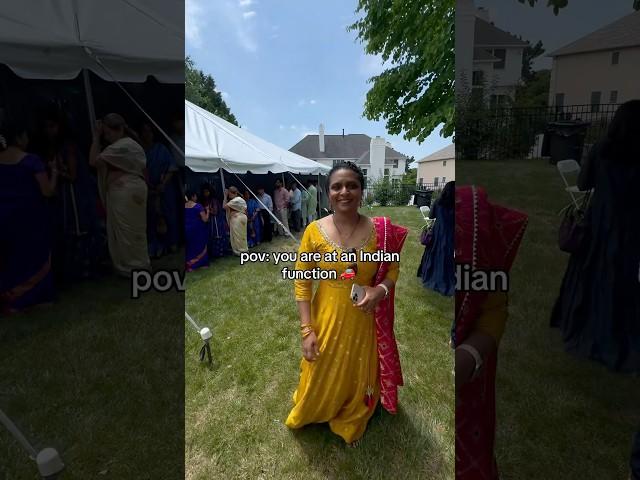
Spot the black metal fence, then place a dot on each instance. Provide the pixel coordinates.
(509, 132)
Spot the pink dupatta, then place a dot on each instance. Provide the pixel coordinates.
(390, 238)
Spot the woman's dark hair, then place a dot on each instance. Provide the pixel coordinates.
(190, 193)
(623, 136)
(448, 195)
(347, 166)
(10, 132)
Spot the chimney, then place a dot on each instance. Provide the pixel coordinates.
(343, 133)
(321, 138)
(483, 14)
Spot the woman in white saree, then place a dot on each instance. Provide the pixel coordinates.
(123, 191)
(236, 209)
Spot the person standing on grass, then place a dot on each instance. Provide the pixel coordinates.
(217, 226)
(437, 267)
(296, 207)
(598, 307)
(487, 238)
(196, 233)
(281, 200)
(123, 191)
(350, 354)
(267, 226)
(25, 257)
(236, 209)
(254, 220)
(162, 215)
(312, 206)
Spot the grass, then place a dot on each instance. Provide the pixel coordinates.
(235, 410)
(99, 377)
(559, 417)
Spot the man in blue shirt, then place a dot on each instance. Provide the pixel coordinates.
(296, 208)
(267, 229)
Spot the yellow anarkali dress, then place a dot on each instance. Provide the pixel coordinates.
(333, 387)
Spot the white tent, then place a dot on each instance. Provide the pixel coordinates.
(58, 39)
(213, 143)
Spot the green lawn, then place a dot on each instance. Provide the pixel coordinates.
(98, 377)
(559, 417)
(235, 411)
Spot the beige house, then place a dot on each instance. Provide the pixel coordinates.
(599, 68)
(438, 168)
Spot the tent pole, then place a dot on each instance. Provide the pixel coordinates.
(224, 187)
(89, 96)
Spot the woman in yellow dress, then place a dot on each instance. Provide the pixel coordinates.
(350, 354)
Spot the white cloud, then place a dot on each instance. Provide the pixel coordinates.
(301, 103)
(312, 102)
(370, 65)
(246, 3)
(232, 16)
(282, 127)
(194, 22)
(293, 127)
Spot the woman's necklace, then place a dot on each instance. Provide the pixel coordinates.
(342, 239)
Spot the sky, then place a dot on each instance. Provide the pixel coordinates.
(576, 20)
(285, 66)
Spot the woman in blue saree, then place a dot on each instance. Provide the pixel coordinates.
(162, 223)
(217, 225)
(254, 220)
(25, 240)
(195, 232)
(437, 268)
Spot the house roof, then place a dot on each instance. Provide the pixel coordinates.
(355, 145)
(487, 35)
(482, 55)
(446, 153)
(623, 33)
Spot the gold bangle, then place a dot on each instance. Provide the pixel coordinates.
(306, 334)
(305, 325)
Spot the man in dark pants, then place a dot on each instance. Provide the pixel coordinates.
(635, 457)
(267, 229)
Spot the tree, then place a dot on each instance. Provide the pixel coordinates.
(535, 91)
(410, 177)
(560, 4)
(528, 56)
(416, 38)
(200, 88)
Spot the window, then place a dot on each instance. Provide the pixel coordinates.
(395, 163)
(444, 180)
(335, 162)
(501, 54)
(478, 78)
(559, 99)
(595, 101)
(386, 172)
(613, 97)
(435, 182)
(615, 58)
(364, 172)
(421, 180)
(444, 163)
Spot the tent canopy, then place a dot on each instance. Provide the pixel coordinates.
(56, 40)
(213, 143)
